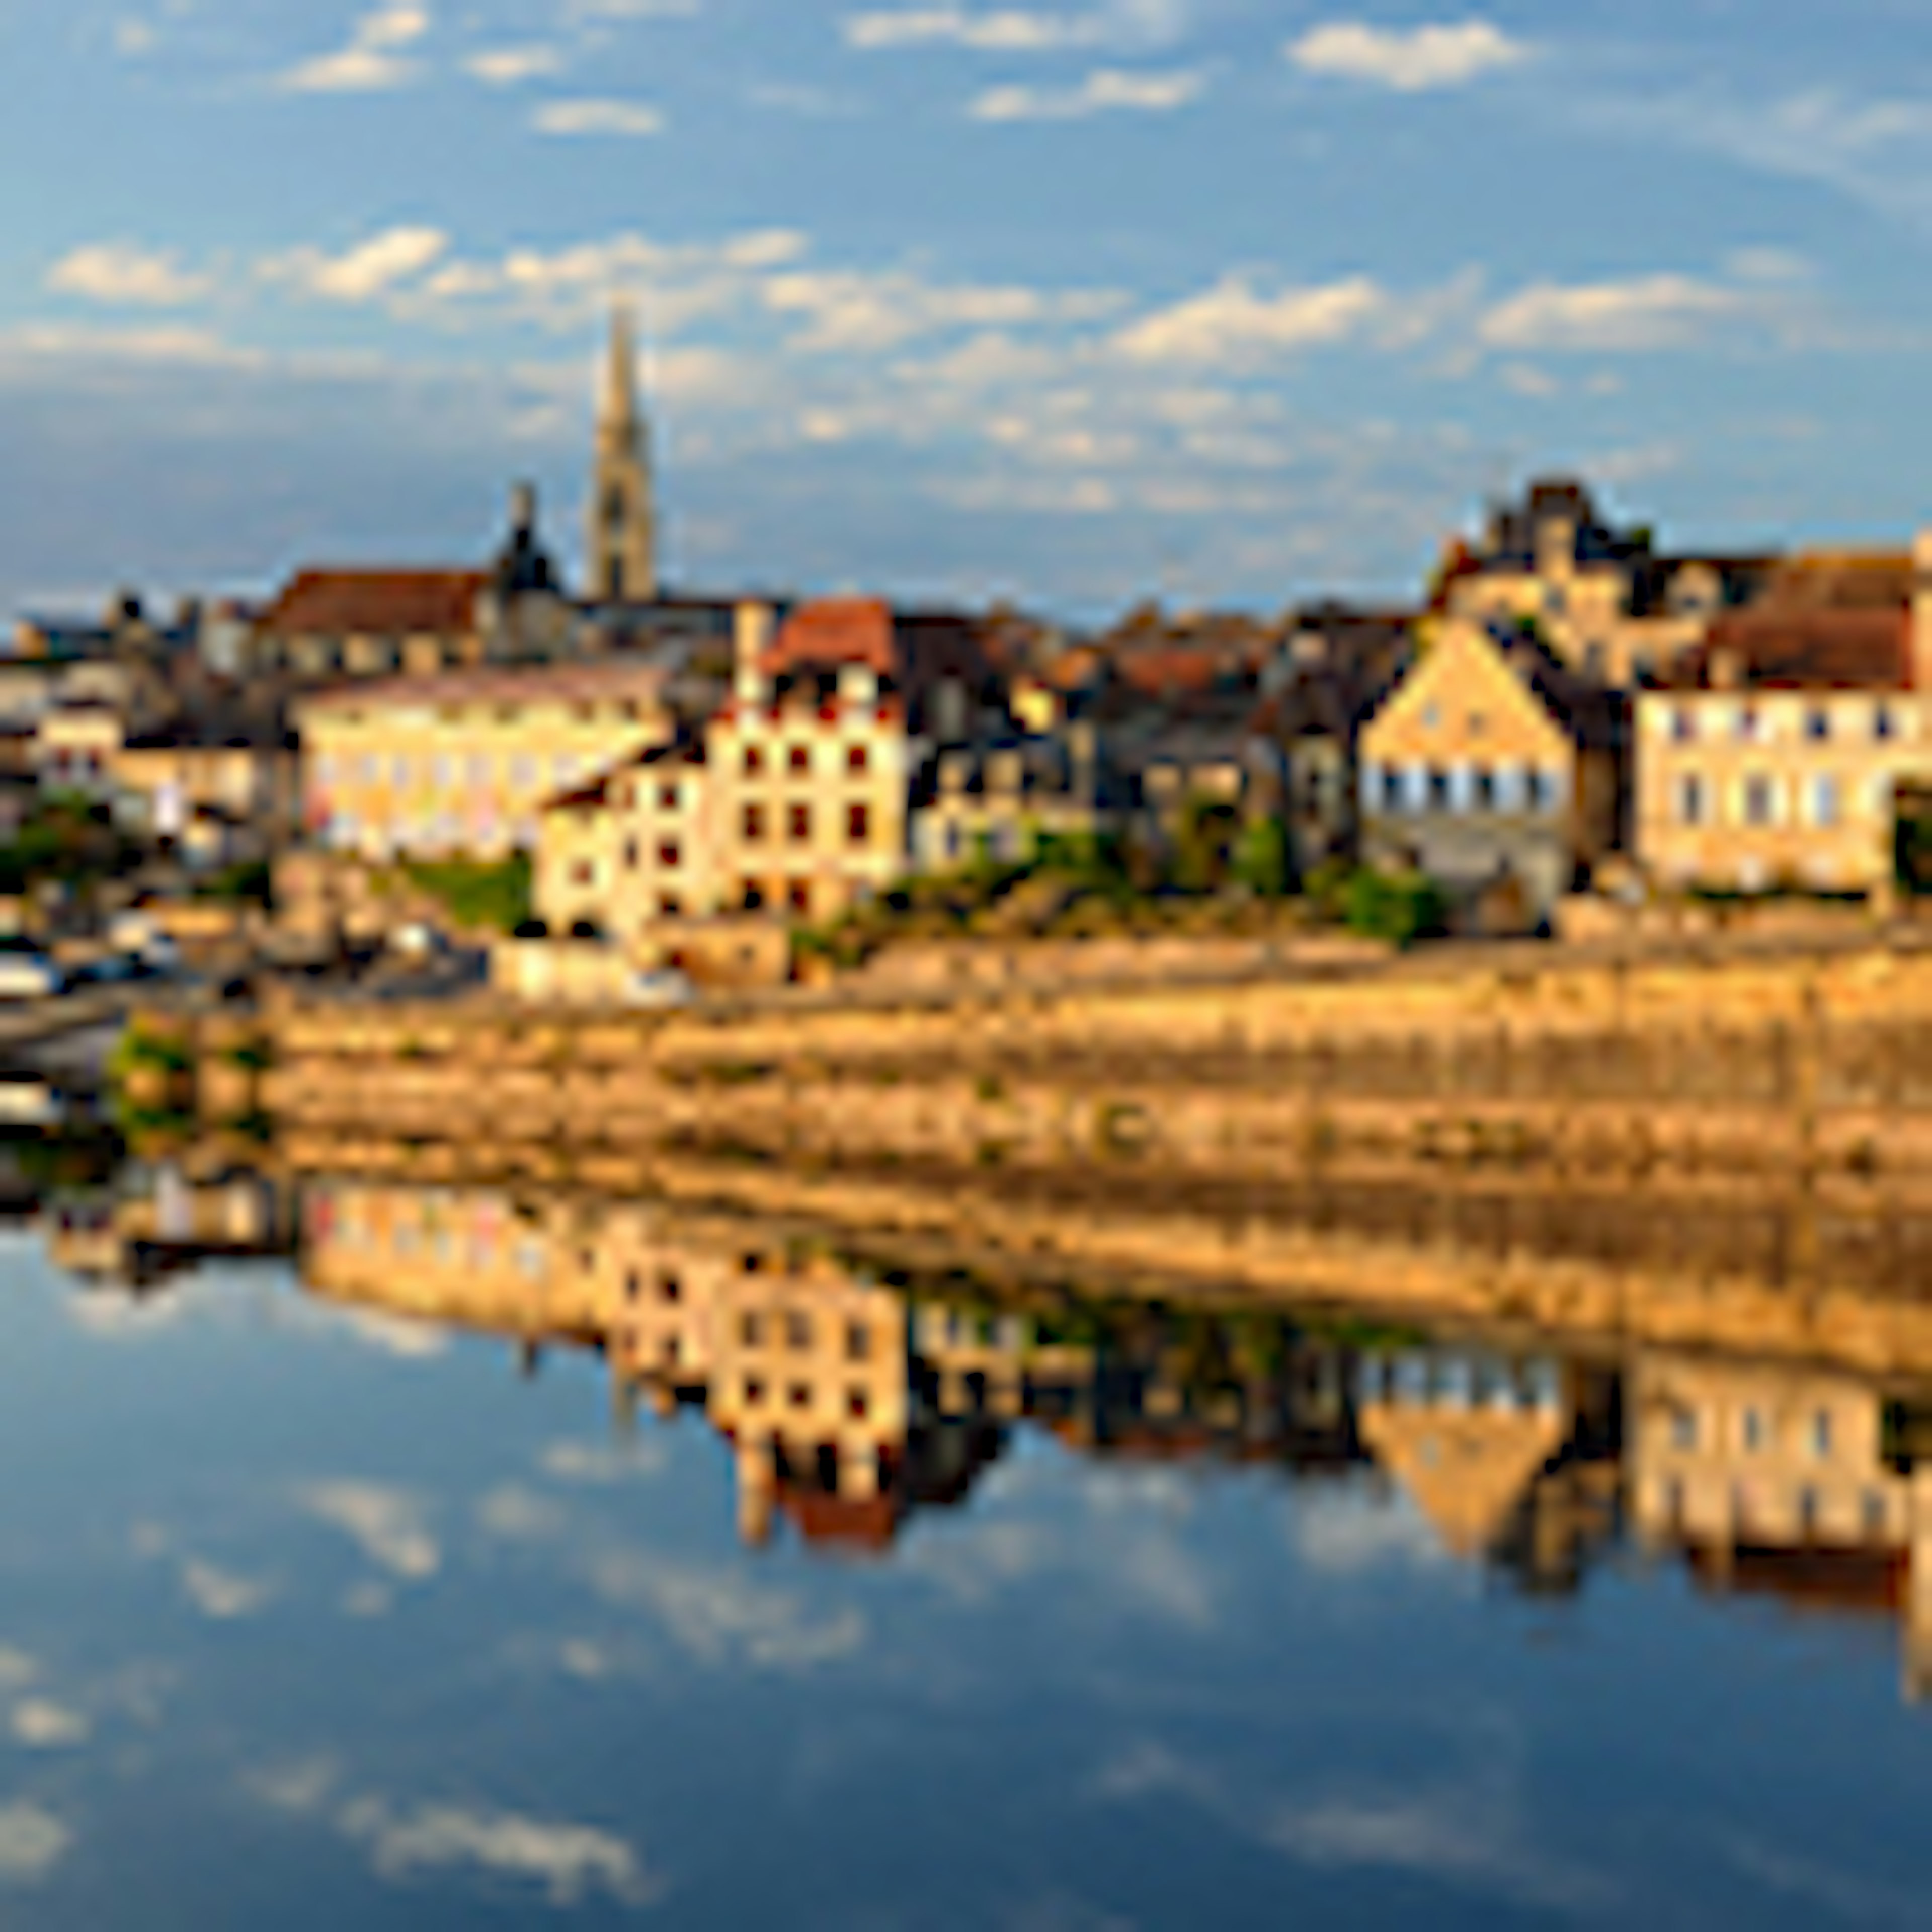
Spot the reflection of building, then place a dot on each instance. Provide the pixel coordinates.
(157, 1221)
(1511, 1461)
(1783, 1482)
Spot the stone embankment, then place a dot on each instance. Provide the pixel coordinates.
(1535, 1063)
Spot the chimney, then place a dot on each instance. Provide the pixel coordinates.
(1921, 612)
(522, 509)
(753, 626)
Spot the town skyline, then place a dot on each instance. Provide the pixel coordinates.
(906, 334)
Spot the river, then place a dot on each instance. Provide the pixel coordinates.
(675, 1572)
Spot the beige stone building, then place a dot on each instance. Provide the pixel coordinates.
(460, 765)
(1610, 609)
(1488, 767)
(791, 798)
(1780, 753)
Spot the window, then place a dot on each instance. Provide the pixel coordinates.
(479, 768)
(799, 758)
(1825, 800)
(522, 771)
(1817, 724)
(798, 823)
(801, 1395)
(1821, 1433)
(857, 1405)
(798, 896)
(667, 797)
(669, 1288)
(858, 1342)
(858, 823)
(1748, 723)
(1431, 716)
(1486, 789)
(583, 872)
(751, 1331)
(1691, 800)
(630, 855)
(1753, 1430)
(754, 1392)
(1760, 801)
(1684, 1429)
(798, 1330)
(669, 854)
(1439, 789)
(1882, 722)
(754, 823)
(755, 760)
(669, 905)
(858, 758)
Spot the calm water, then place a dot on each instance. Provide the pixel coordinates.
(313, 1615)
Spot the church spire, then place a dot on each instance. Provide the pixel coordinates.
(622, 538)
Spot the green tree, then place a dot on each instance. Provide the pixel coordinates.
(1260, 859)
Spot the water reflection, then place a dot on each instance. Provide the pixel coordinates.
(854, 1396)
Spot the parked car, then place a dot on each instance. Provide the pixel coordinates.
(29, 975)
(665, 987)
(26, 1100)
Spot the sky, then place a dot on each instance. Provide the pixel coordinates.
(1229, 302)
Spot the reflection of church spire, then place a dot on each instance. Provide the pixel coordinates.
(622, 545)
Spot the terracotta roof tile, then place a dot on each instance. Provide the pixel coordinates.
(1796, 648)
(375, 603)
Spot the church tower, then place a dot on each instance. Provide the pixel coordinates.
(621, 551)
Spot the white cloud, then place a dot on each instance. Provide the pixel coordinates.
(570, 1862)
(370, 269)
(594, 117)
(506, 66)
(1355, 1531)
(123, 273)
(389, 1526)
(1411, 61)
(1232, 319)
(41, 1724)
(1659, 311)
(631, 9)
(32, 1842)
(577, 1461)
(717, 1616)
(1010, 30)
(1107, 90)
(857, 311)
(134, 38)
(372, 62)
(17, 1670)
(221, 1594)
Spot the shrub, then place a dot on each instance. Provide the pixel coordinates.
(475, 894)
(1261, 857)
(1399, 906)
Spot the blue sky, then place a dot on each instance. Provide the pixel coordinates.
(1228, 301)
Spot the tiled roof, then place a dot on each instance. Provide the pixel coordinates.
(1791, 648)
(628, 677)
(375, 603)
(1840, 580)
(835, 630)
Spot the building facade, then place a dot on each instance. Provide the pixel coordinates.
(1487, 767)
(1783, 753)
(791, 798)
(461, 765)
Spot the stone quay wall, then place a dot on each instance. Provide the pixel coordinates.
(1776, 1066)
